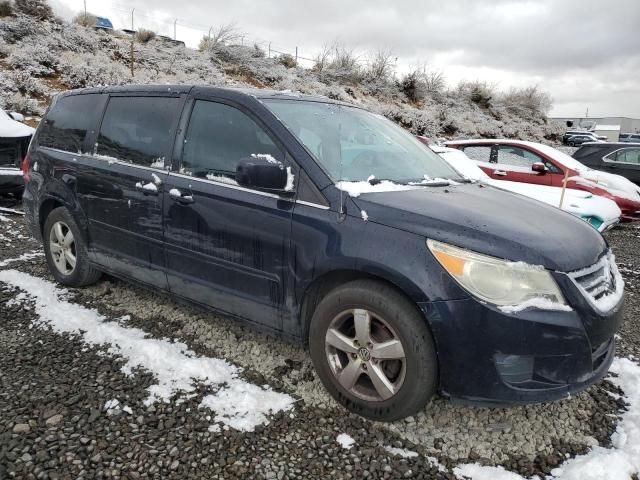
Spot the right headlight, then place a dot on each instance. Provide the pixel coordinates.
(497, 281)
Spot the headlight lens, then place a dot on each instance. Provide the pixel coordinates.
(494, 280)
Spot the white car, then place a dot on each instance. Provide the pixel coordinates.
(599, 212)
(14, 141)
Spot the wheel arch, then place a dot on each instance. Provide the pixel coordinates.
(328, 281)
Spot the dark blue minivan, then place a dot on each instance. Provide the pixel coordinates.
(327, 224)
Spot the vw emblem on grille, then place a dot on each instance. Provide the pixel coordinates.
(364, 354)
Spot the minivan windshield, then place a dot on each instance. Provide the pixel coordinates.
(353, 145)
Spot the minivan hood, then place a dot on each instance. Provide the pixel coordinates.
(490, 221)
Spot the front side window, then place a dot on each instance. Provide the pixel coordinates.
(517, 157)
(218, 137)
(138, 130)
(65, 126)
(479, 153)
(351, 144)
(626, 155)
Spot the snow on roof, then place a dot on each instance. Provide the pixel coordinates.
(608, 127)
(9, 128)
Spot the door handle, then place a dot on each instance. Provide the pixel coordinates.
(147, 188)
(500, 173)
(177, 196)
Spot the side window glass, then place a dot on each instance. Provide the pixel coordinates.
(65, 126)
(138, 130)
(628, 155)
(479, 153)
(218, 137)
(517, 157)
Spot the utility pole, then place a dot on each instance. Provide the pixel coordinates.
(210, 28)
(269, 56)
(174, 28)
(85, 8)
(296, 55)
(133, 36)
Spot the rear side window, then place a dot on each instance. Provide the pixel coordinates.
(65, 126)
(138, 130)
(479, 153)
(218, 137)
(626, 155)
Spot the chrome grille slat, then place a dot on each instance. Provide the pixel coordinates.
(598, 281)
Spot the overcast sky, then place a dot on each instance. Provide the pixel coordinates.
(585, 53)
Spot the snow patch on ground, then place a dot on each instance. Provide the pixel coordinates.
(401, 452)
(617, 463)
(345, 441)
(21, 258)
(177, 369)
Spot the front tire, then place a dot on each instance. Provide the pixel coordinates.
(373, 351)
(66, 250)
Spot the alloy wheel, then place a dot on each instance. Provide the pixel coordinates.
(62, 246)
(365, 355)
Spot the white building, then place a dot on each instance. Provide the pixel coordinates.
(612, 132)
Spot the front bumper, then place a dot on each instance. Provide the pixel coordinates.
(11, 180)
(490, 358)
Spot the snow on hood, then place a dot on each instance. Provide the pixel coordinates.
(576, 202)
(355, 189)
(461, 163)
(9, 128)
(615, 184)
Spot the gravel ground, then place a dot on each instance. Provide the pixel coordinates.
(53, 423)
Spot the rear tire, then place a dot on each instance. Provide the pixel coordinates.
(66, 250)
(571, 144)
(386, 371)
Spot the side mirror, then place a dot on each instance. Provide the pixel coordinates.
(539, 167)
(263, 172)
(18, 117)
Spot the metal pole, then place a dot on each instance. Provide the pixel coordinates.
(132, 40)
(210, 28)
(174, 28)
(242, 40)
(85, 8)
(296, 54)
(269, 56)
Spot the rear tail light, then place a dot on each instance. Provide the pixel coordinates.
(25, 169)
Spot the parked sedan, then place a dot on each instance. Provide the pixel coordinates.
(622, 158)
(576, 140)
(599, 212)
(530, 162)
(629, 138)
(571, 133)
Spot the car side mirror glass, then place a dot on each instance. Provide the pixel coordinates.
(263, 172)
(18, 117)
(539, 167)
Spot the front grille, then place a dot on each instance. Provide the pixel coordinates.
(601, 284)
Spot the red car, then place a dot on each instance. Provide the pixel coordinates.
(529, 162)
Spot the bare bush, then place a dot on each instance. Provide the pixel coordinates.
(36, 60)
(480, 93)
(39, 9)
(381, 64)
(322, 58)
(532, 99)
(28, 85)
(342, 65)
(418, 84)
(219, 36)
(85, 19)
(145, 36)
(287, 60)
(6, 8)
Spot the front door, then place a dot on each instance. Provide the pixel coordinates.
(122, 183)
(625, 162)
(227, 246)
